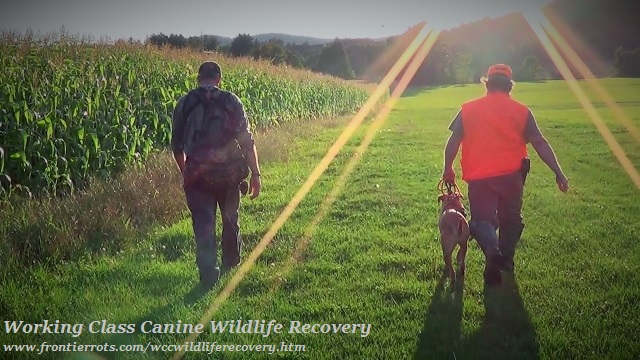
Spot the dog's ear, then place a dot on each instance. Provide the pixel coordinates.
(441, 198)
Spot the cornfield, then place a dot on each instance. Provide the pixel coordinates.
(70, 109)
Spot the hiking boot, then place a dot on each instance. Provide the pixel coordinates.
(493, 271)
(227, 268)
(209, 279)
(508, 239)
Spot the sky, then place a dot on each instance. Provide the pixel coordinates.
(327, 19)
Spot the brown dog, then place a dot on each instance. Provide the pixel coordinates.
(454, 230)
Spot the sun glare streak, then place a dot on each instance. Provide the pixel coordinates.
(341, 182)
(578, 43)
(584, 101)
(584, 70)
(387, 55)
(353, 125)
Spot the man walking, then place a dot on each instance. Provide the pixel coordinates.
(494, 131)
(214, 150)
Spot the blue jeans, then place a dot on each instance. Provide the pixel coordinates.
(203, 204)
(497, 203)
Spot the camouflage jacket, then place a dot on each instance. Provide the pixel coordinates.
(216, 127)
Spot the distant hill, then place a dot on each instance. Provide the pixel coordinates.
(300, 40)
(292, 39)
(286, 38)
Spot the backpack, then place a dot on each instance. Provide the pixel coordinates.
(191, 101)
(202, 172)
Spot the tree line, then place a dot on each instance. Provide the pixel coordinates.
(330, 59)
(461, 55)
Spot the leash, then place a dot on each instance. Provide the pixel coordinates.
(449, 188)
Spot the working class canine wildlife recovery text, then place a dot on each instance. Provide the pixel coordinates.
(239, 326)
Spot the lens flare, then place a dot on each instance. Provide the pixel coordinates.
(341, 182)
(353, 125)
(586, 73)
(584, 100)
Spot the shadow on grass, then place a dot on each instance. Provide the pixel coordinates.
(6, 311)
(160, 314)
(537, 81)
(421, 90)
(506, 331)
(440, 336)
(418, 91)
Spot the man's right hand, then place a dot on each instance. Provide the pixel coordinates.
(563, 182)
(448, 175)
(255, 185)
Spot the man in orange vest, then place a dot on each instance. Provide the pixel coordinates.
(494, 131)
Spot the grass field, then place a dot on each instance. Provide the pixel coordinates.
(375, 257)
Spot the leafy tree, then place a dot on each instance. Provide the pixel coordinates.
(194, 42)
(462, 67)
(529, 70)
(173, 40)
(242, 45)
(363, 55)
(294, 60)
(271, 51)
(210, 43)
(627, 63)
(177, 41)
(306, 53)
(333, 60)
(158, 39)
(437, 68)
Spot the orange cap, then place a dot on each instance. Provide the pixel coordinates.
(499, 69)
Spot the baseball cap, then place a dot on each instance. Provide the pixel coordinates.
(209, 69)
(499, 69)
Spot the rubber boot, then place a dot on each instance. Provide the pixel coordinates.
(485, 235)
(209, 276)
(508, 240)
(206, 263)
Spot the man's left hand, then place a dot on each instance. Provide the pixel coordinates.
(255, 186)
(563, 182)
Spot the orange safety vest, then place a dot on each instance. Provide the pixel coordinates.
(493, 141)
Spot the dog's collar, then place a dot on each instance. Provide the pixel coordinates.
(461, 210)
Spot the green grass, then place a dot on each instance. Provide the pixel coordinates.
(375, 258)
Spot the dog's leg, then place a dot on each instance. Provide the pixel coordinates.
(461, 256)
(448, 266)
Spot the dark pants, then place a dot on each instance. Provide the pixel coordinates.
(203, 205)
(497, 203)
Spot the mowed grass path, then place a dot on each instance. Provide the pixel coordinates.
(376, 259)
